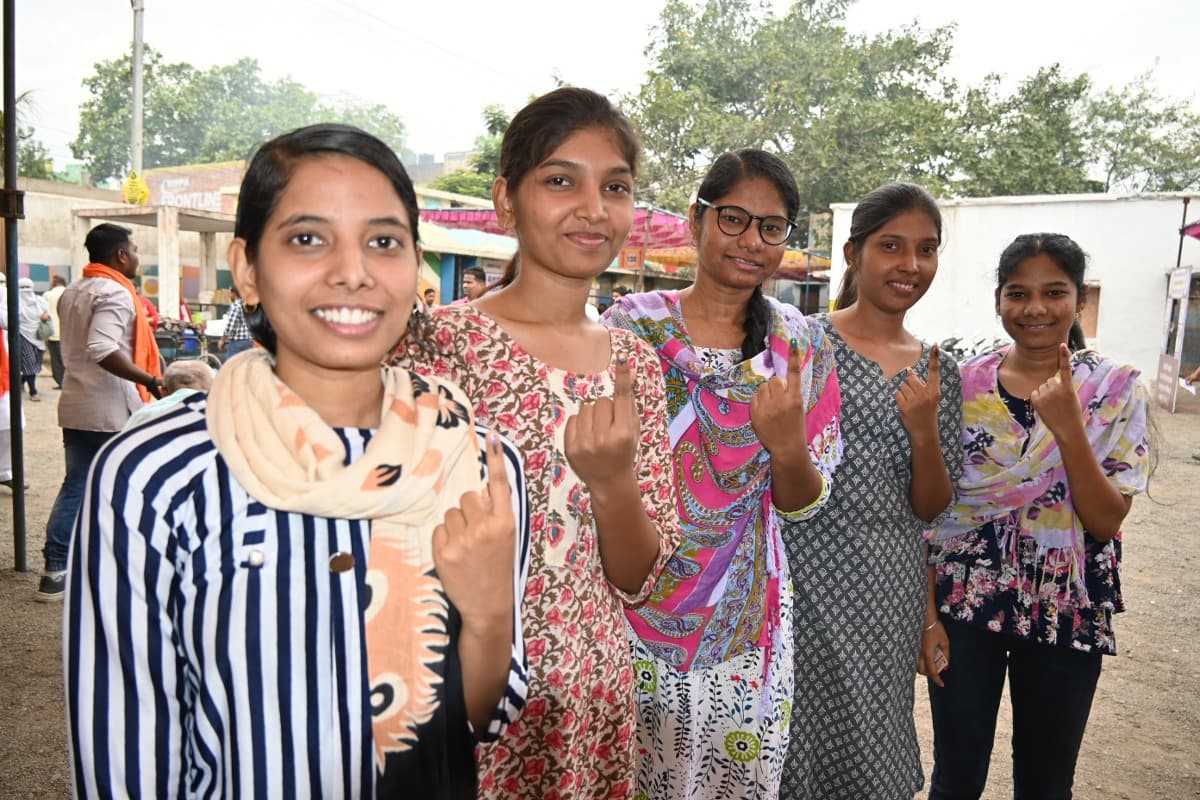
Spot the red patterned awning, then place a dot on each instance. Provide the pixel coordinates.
(653, 228)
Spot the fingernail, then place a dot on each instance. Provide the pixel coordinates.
(621, 360)
(795, 344)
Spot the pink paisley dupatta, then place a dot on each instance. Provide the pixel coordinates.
(1006, 471)
(718, 596)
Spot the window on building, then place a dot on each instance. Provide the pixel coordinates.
(1091, 311)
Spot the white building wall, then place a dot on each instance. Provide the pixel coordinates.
(1132, 241)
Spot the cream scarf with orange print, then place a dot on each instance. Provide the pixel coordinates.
(419, 462)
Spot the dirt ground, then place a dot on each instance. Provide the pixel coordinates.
(1143, 740)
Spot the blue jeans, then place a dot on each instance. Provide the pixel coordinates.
(1051, 689)
(80, 448)
(235, 346)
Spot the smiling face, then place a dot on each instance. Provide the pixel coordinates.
(897, 262)
(336, 270)
(572, 212)
(1038, 303)
(743, 261)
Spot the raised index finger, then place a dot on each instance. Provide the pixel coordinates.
(935, 365)
(1064, 364)
(795, 373)
(497, 477)
(623, 409)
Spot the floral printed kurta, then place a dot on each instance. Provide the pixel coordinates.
(576, 736)
(1013, 558)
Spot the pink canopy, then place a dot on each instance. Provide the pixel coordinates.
(1192, 229)
(652, 229)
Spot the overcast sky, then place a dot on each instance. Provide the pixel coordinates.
(437, 64)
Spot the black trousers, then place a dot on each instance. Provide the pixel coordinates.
(1051, 689)
(56, 362)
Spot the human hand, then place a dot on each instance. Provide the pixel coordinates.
(918, 400)
(1055, 401)
(777, 412)
(935, 652)
(473, 549)
(601, 440)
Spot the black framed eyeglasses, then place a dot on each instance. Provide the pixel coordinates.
(734, 220)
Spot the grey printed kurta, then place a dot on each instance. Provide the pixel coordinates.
(858, 570)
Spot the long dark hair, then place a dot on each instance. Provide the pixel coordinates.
(271, 171)
(540, 127)
(874, 211)
(1063, 251)
(726, 173)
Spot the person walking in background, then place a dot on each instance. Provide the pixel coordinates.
(859, 566)
(585, 406)
(1027, 563)
(35, 319)
(112, 369)
(58, 285)
(753, 407)
(313, 595)
(148, 305)
(6, 475)
(1191, 379)
(236, 336)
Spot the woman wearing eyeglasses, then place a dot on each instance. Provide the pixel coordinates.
(753, 410)
(859, 569)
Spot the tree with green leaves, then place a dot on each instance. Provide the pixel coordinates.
(477, 180)
(1140, 141)
(200, 116)
(33, 159)
(1032, 141)
(846, 112)
(849, 112)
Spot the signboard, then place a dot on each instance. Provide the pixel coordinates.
(1166, 383)
(631, 258)
(1180, 282)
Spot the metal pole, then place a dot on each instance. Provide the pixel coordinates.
(136, 144)
(1182, 225)
(12, 209)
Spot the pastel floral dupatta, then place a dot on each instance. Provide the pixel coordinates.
(718, 596)
(1006, 471)
(419, 462)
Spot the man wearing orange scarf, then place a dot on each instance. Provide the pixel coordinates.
(112, 368)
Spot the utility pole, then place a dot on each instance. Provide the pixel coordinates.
(12, 208)
(136, 144)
